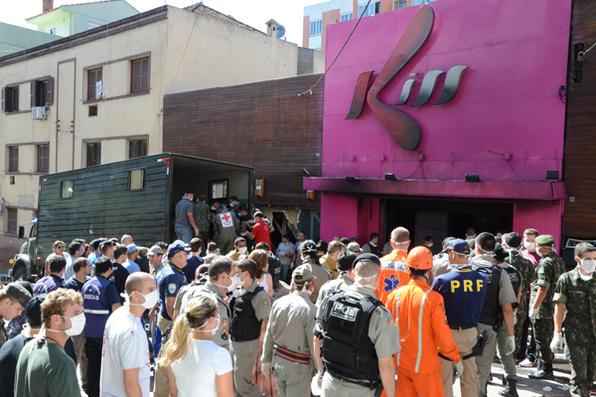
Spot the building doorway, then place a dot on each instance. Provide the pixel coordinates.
(440, 218)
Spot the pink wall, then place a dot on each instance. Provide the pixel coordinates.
(544, 216)
(339, 216)
(507, 120)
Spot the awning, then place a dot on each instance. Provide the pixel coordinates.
(504, 190)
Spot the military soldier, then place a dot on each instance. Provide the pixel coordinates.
(287, 349)
(343, 281)
(356, 337)
(575, 302)
(550, 267)
(512, 244)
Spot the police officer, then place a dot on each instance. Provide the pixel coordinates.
(288, 349)
(506, 356)
(309, 256)
(356, 337)
(56, 265)
(100, 299)
(250, 308)
(512, 244)
(343, 280)
(217, 285)
(464, 290)
(575, 309)
(550, 267)
(498, 306)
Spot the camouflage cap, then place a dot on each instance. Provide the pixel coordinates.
(545, 239)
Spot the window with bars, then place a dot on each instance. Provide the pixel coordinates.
(94, 84)
(13, 158)
(43, 158)
(139, 75)
(137, 148)
(346, 17)
(316, 27)
(93, 154)
(11, 99)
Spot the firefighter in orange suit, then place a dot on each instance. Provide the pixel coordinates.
(394, 271)
(419, 313)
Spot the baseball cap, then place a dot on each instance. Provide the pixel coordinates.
(545, 239)
(155, 250)
(176, 247)
(302, 274)
(258, 213)
(354, 248)
(18, 293)
(131, 248)
(96, 243)
(367, 257)
(459, 246)
(309, 246)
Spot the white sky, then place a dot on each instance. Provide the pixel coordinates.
(253, 12)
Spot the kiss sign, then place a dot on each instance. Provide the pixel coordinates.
(405, 129)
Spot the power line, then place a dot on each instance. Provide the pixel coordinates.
(344, 45)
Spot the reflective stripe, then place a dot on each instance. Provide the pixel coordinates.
(91, 311)
(420, 320)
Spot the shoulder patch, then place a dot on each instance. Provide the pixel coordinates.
(172, 288)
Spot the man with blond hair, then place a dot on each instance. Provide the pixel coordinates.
(44, 368)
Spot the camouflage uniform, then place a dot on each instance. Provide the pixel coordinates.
(528, 274)
(579, 298)
(548, 271)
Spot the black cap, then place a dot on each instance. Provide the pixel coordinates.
(309, 247)
(512, 239)
(346, 263)
(367, 257)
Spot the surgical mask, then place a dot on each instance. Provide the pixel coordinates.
(151, 299)
(77, 325)
(588, 266)
(530, 246)
(214, 330)
(243, 250)
(235, 283)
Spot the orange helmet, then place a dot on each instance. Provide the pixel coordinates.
(420, 258)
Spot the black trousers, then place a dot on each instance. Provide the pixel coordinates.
(93, 348)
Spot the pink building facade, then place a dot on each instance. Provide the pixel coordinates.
(479, 94)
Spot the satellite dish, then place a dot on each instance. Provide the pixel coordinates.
(280, 33)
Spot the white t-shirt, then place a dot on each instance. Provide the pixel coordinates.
(199, 367)
(124, 347)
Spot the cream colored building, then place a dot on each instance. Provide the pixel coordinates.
(96, 97)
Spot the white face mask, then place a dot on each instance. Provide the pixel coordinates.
(588, 266)
(78, 325)
(243, 250)
(530, 246)
(151, 299)
(214, 330)
(235, 283)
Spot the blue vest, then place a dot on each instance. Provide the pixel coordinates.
(463, 290)
(97, 306)
(47, 284)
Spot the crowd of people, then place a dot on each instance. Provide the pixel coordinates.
(113, 319)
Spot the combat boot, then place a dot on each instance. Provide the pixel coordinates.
(510, 388)
(543, 371)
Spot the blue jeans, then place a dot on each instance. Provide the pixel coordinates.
(183, 233)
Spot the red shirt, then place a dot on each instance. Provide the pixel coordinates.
(260, 231)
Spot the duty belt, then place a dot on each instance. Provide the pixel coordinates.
(360, 382)
(290, 355)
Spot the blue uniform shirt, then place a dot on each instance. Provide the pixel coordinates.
(191, 267)
(170, 279)
(47, 284)
(73, 283)
(463, 290)
(99, 294)
(132, 266)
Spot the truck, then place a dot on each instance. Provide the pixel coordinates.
(136, 197)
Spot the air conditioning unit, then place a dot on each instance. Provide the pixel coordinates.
(39, 112)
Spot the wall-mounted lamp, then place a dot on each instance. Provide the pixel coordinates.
(351, 179)
(389, 176)
(472, 178)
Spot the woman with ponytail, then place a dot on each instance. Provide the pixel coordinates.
(195, 361)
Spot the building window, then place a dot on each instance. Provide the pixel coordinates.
(42, 92)
(400, 4)
(94, 84)
(137, 148)
(139, 75)
(93, 154)
(11, 99)
(43, 158)
(136, 180)
(66, 189)
(316, 27)
(13, 158)
(346, 17)
(218, 189)
(377, 7)
(11, 221)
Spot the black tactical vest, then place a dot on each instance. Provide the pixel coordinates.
(244, 325)
(348, 353)
(491, 312)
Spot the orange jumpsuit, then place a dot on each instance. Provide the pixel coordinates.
(394, 273)
(420, 316)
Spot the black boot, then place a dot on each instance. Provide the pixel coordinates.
(543, 371)
(510, 388)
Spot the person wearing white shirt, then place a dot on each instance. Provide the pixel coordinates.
(125, 364)
(195, 361)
